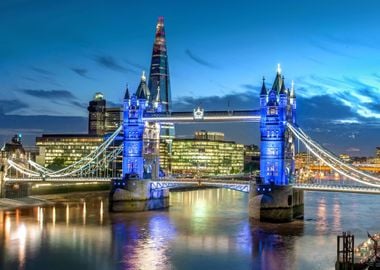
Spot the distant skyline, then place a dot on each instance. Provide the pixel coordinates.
(56, 55)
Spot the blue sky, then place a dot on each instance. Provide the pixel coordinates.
(56, 54)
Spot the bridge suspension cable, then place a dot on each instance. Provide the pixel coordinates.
(332, 156)
(332, 161)
(89, 163)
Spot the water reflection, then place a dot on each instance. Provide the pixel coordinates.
(203, 229)
(67, 214)
(273, 245)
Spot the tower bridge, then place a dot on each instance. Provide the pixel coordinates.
(275, 195)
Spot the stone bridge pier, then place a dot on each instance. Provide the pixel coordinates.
(131, 195)
(271, 203)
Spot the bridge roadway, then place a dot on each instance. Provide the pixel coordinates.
(239, 185)
(337, 188)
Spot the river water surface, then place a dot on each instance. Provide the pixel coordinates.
(203, 229)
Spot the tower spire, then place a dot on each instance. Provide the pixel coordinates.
(127, 96)
(277, 81)
(159, 68)
(143, 78)
(292, 91)
(283, 89)
(263, 88)
(142, 91)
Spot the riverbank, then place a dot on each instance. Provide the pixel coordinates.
(50, 199)
(69, 197)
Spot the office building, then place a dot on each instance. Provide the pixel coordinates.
(96, 115)
(205, 154)
(66, 148)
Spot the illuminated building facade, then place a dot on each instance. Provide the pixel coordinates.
(113, 119)
(66, 147)
(212, 136)
(96, 115)
(277, 165)
(251, 158)
(206, 154)
(103, 120)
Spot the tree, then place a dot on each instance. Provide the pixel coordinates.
(57, 164)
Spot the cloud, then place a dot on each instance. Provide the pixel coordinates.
(111, 63)
(331, 47)
(29, 79)
(113, 104)
(42, 71)
(251, 87)
(323, 107)
(346, 121)
(81, 72)
(42, 75)
(48, 94)
(350, 41)
(360, 96)
(79, 104)
(136, 66)
(9, 106)
(199, 60)
(233, 101)
(353, 149)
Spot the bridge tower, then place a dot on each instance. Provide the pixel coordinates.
(272, 131)
(133, 191)
(133, 130)
(272, 197)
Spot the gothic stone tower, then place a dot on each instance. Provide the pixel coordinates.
(272, 131)
(272, 198)
(133, 192)
(133, 130)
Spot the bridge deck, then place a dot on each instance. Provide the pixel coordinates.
(240, 185)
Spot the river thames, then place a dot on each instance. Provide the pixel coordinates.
(203, 229)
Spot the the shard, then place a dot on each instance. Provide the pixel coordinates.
(159, 69)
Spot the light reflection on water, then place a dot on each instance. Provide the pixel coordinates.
(203, 229)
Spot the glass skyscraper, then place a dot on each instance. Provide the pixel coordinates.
(159, 82)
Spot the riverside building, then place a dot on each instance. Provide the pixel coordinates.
(205, 154)
(66, 147)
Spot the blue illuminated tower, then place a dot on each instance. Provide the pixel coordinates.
(272, 128)
(133, 128)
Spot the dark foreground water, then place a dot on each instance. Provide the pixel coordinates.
(203, 229)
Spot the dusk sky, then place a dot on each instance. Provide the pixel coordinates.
(54, 55)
